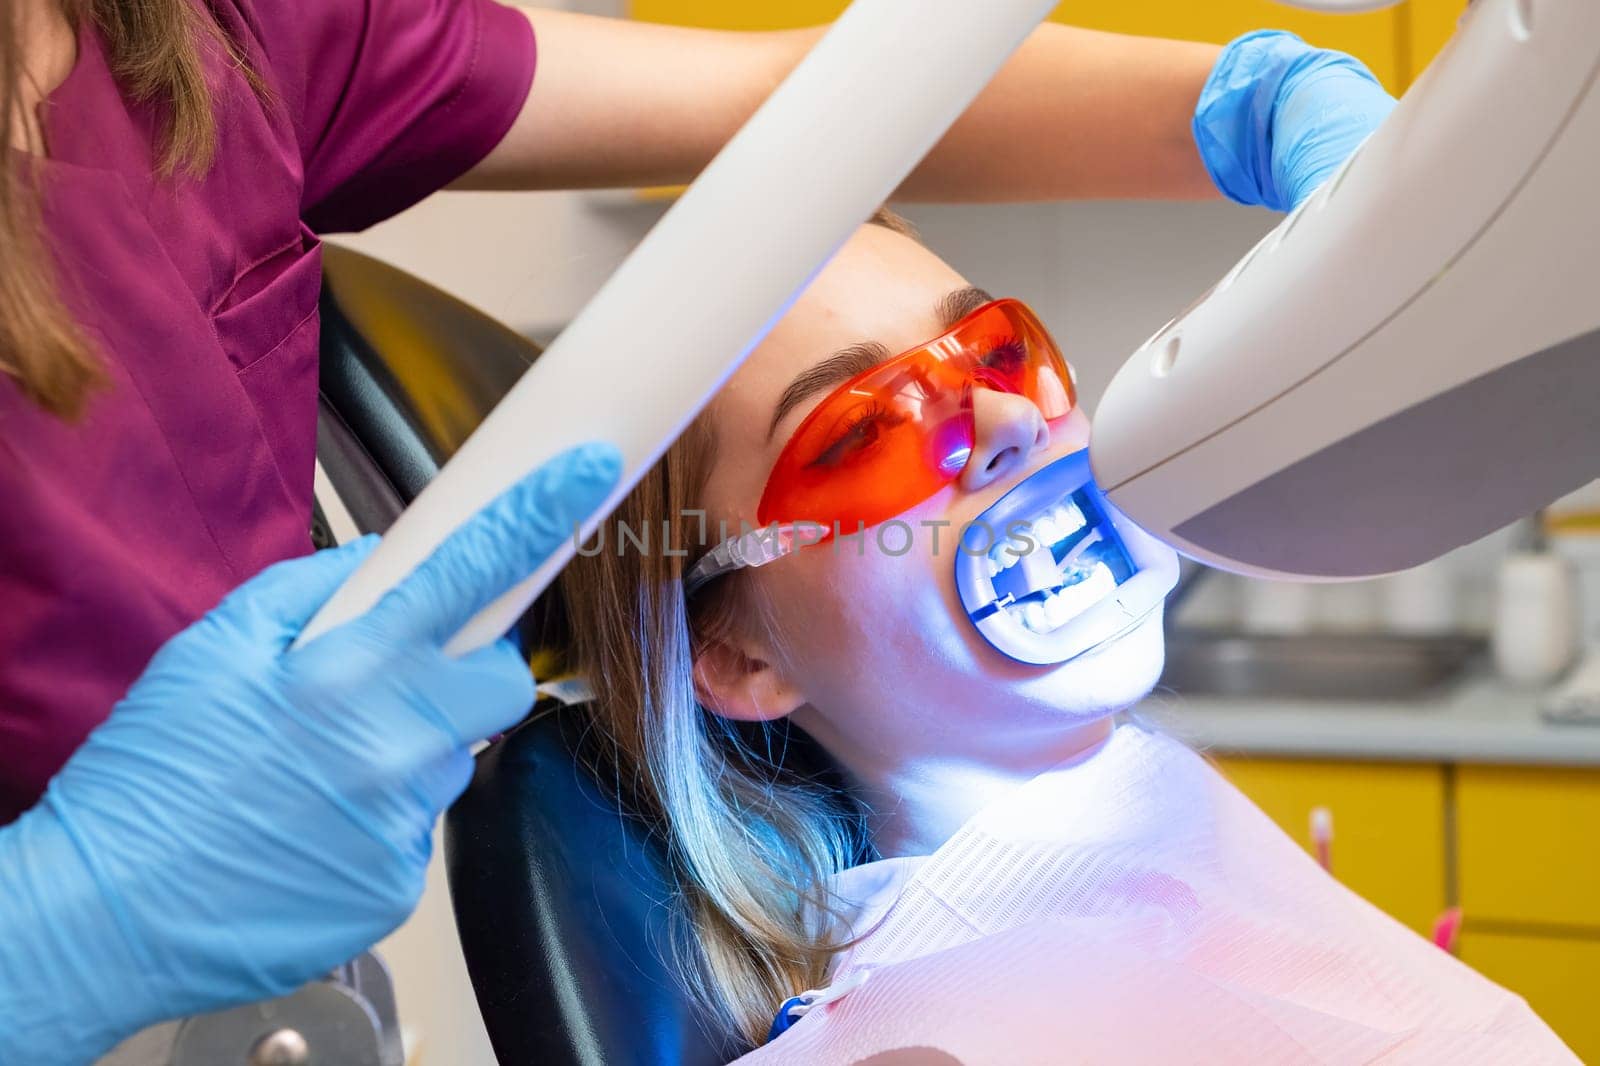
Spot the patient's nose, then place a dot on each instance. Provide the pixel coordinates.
(1007, 431)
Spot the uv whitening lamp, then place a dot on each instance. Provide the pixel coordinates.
(1411, 359)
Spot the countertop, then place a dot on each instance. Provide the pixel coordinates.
(1475, 720)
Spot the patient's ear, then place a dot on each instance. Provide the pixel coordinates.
(736, 683)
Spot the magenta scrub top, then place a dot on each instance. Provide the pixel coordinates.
(192, 470)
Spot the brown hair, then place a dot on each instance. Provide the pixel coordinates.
(157, 50)
(752, 833)
(750, 841)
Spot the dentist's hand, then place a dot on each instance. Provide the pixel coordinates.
(1278, 117)
(249, 817)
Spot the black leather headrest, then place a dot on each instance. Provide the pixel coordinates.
(408, 371)
(565, 911)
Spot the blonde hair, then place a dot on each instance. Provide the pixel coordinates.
(751, 841)
(157, 50)
(752, 834)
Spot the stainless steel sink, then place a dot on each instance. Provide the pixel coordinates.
(1316, 667)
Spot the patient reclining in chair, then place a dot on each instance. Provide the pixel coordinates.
(893, 547)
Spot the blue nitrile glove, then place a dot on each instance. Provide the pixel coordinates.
(1277, 117)
(249, 817)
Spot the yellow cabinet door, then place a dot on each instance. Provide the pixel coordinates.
(1526, 845)
(1388, 825)
(738, 14)
(1431, 24)
(1557, 976)
(1376, 37)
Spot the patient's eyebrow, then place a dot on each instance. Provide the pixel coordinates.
(846, 363)
(959, 304)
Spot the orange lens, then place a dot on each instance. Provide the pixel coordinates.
(894, 435)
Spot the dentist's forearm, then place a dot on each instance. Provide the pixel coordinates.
(1078, 114)
(1074, 114)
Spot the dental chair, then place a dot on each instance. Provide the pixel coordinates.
(566, 918)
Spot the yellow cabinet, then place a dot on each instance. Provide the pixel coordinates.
(1396, 43)
(1557, 976)
(1430, 25)
(1526, 842)
(1388, 825)
(738, 14)
(1374, 37)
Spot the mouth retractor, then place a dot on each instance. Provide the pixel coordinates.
(1062, 571)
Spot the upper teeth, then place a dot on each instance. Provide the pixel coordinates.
(1060, 590)
(1059, 522)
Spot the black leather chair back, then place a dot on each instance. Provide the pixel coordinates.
(566, 918)
(407, 373)
(563, 904)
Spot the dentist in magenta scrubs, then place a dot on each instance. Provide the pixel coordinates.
(191, 815)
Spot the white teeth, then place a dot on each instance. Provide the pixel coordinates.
(1055, 525)
(1057, 610)
(1040, 569)
(1099, 583)
(1061, 607)
(1074, 598)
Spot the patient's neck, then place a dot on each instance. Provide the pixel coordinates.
(917, 800)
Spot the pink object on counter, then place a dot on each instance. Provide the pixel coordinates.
(1447, 929)
(1322, 836)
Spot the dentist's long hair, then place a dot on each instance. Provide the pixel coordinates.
(157, 50)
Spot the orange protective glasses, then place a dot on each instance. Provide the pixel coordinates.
(895, 434)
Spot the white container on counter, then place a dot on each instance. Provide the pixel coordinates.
(1536, 621)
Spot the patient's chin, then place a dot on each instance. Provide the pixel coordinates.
(1114, 675)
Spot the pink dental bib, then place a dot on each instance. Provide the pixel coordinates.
(1133, 907)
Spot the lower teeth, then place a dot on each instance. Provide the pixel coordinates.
(1073, 563)
(1066, 603)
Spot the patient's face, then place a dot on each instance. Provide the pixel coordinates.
(876, 646)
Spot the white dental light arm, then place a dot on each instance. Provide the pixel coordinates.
(1410, 360)
(830, 145)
